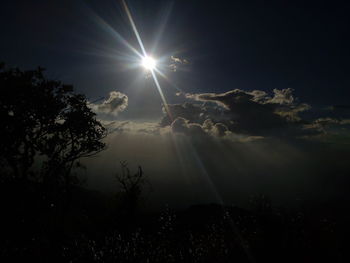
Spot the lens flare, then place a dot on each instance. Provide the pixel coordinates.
(148, 63)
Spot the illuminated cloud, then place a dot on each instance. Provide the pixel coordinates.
(283, 97)
(131, 127)
(181, 125)
(244, 112)
(236, 115)
(215, 129)
(327, 124)
(176, 62)
(116, 102)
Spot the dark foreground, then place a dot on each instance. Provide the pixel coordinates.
(85, 226)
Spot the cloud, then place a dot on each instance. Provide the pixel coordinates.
(132, 127)
(283, 97)
(179, 60)
(291, 112)
(206, 132)
(188, 111)
(244, 112)
(216, 129)
(230, 98)
(181, 125)
(258, 95)
(116, 102)
(176, 62)
(327, 124)
(236, 115)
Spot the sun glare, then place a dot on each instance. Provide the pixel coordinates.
(148, 63)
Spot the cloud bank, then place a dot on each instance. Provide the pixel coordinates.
(236, 115)
(253, 113)
(229, 146)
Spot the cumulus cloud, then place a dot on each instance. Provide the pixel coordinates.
(216, 129)
(291, 112)
(116, 102)
(188, 111)
(283, 97)
(244, 112)
(207, 131)
(181, 125)
(236, 115)
(258, 95)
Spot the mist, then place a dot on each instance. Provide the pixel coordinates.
(184, 170)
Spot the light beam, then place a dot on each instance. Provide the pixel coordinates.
(148, 63)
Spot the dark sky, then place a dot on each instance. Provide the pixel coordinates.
(230, 44)
(238, 141)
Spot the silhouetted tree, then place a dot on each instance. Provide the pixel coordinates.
(131, 187)
(45, 123)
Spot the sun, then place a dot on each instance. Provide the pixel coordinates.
(148, 63)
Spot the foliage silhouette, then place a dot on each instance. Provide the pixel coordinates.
(45, 121)
(131, 188)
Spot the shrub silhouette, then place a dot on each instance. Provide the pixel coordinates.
(44, 122)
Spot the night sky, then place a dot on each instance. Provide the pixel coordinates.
(261, 88)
